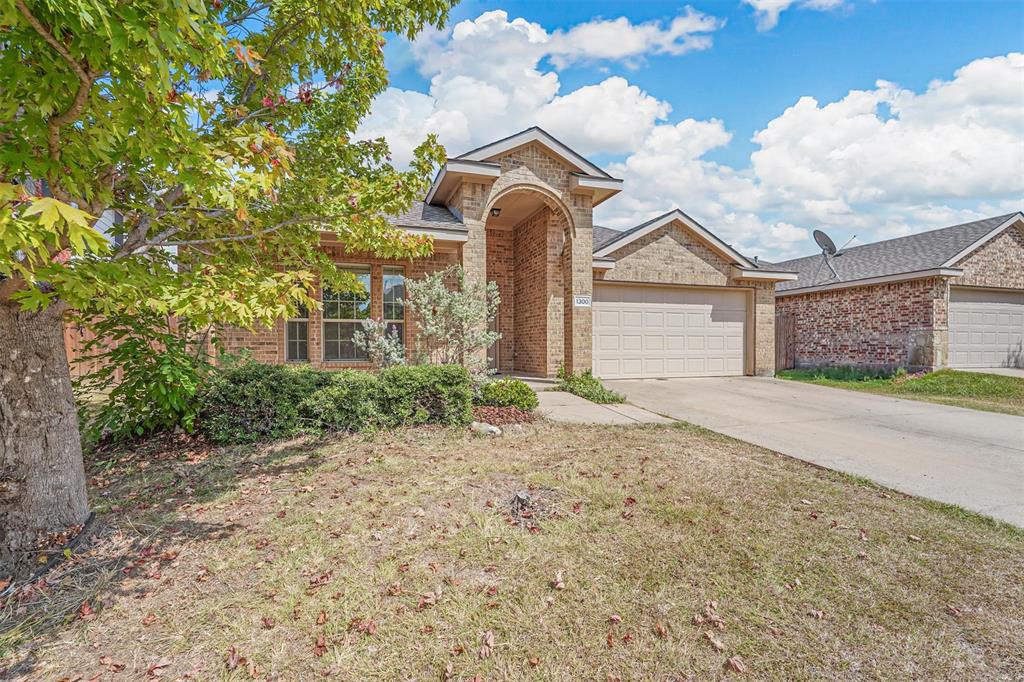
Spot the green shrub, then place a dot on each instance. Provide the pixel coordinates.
(425, 394)
(586, 385)
(349, 403)
(248, 401)
(145, 377)
(508, 393)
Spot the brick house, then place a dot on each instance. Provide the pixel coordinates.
(952, 297)
(665, 298)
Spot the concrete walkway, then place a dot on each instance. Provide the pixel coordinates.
(966, 457)
(560, 406)
(1004, 371)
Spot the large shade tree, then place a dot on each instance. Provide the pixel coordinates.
(174, 157)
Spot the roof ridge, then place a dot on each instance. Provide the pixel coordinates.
(916, 235)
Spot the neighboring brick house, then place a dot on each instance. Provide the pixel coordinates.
(952, 297)
(666, 298)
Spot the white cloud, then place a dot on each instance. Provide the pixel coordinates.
(612, 117)
(618, 39)
(486, 81)
(766, 12)
(962, 138)
(877, 163)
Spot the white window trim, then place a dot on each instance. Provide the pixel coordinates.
(358, 269)
(288, 341)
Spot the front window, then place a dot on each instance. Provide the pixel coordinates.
(394, 301)
(343, 313)
(296, 336)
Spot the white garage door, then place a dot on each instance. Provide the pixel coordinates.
(986, 328)
(647, 331)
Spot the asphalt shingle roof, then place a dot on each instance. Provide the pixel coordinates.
(604, 235)
(913, 253)
(427, 216)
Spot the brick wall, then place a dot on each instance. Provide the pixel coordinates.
(546, 330)
(268, 344)
(900, 324)
(500, 269)
(999, 263)
(537, 338)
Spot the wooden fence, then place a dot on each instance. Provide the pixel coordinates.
(785, 341)
(75, 338)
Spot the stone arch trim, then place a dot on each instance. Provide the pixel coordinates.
(550, 198)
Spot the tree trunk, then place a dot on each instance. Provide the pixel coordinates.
(42, 477)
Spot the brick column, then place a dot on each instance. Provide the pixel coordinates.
(470, 200)
(578, 280)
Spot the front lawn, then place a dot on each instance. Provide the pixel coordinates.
(991, 392)
(653, 553)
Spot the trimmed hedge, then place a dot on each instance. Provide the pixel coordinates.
(249, 401)
(508, 393)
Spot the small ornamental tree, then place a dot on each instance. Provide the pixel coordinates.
(174, 158)
(382, 344)
(454, 322)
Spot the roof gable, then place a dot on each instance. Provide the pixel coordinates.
(914, 254)
(609, 243)
(534, 135)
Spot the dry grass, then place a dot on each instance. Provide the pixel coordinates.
(400, 558)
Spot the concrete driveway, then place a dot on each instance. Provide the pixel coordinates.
(965, 457)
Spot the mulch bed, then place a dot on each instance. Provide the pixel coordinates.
(500, 416)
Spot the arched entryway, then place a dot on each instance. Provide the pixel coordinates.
(529, 243)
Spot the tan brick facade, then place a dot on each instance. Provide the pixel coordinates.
(998, 263)
(542, 265)
(674, 255)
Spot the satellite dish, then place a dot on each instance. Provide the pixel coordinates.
(825, 242)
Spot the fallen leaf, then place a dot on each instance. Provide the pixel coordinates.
(85, 612)
(558, 583)
(660, 630)
(615, 618)
(534, 662)
(320, 648)
(268, 623)
(322, 618)
(820, 615)
(863, 534)
(952, 610)
(735, 664)
(488, 645)
(149, 619)
(806, 502)
(233, 659)
(714, 641)
(629, 501)
(914, 538)
(627, 638)
(157, 669)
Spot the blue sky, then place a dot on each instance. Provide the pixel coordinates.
(741, 74)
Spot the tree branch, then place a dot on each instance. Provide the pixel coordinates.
(242, 16)
(246, 237)
(85, 76)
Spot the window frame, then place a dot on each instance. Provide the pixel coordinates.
(288, 340)
(357, 269)
(398, 321)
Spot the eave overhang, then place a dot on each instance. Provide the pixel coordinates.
(868, 281)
